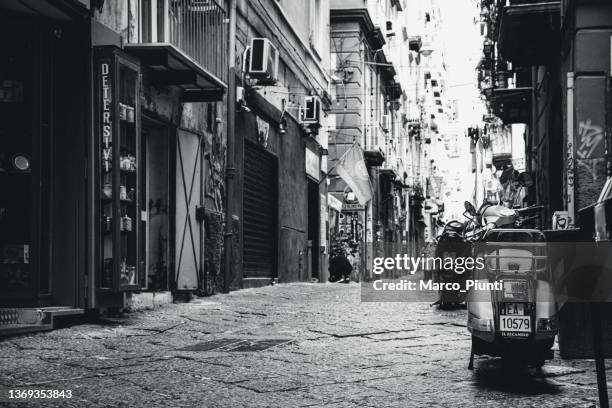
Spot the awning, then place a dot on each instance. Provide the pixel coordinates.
(529, 33)
(171, 67)
(333, 202)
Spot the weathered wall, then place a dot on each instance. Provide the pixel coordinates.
(547, 147)
(301, 72)
(586, 52)
(293, 203)
(292, 187)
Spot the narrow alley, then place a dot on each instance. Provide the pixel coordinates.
(286, 345)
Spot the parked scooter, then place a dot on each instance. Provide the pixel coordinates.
(451, 244)
(517, 321)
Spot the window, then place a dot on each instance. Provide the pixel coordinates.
(317, 30)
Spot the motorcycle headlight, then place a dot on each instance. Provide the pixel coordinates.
(547, 325)
(482, 325)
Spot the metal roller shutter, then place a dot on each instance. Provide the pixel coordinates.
(260, 212)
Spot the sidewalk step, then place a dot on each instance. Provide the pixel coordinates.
(15, 321)
(15, 329)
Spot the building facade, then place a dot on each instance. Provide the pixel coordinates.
(281, 172)
(367, 94)
(130, 108)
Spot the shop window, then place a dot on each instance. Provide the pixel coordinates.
(118, 134)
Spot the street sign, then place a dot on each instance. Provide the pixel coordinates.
(353, 207)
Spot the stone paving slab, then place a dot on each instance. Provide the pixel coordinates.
(342, 353)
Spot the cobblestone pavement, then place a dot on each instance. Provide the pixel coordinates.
(326, 348)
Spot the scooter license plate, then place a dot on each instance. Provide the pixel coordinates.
(515, 324)
(513, 309)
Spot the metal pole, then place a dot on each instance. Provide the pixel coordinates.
(230, 171)
(569, 158)
(602, 385)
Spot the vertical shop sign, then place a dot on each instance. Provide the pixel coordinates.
(106, 112)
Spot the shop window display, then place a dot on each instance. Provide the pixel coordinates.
(119, 138)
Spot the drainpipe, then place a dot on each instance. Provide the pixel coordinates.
(230, 171)
(569, 162)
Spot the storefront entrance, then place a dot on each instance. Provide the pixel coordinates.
(43, 105)
(156, 200)
(314, 225)
(260, 213)
(20, 166)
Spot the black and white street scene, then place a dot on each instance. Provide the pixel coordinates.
(305, 203)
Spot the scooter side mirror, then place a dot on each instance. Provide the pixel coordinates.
(525, 179)
(469, 208)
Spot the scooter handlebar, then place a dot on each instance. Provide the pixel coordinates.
(529, 209)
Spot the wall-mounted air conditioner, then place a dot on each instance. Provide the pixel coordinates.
(311, 113)
(263, 61)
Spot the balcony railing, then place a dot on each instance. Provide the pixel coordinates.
(197, 28)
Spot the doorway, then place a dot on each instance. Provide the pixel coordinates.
(189, 195)
(18, 176)
(155, 195)
(260, 225)
(42, 130)
(313, 227)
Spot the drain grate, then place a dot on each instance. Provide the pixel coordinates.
(244, 345)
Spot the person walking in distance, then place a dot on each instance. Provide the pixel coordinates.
(340, 266)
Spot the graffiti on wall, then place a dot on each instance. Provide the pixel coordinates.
(590, 139)
(215, 174)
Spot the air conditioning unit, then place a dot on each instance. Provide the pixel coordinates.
(311, 112)
(263, 61)
(386, 123)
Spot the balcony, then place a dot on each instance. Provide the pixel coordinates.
(512, 105)
(184, 44)
(529, 31)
